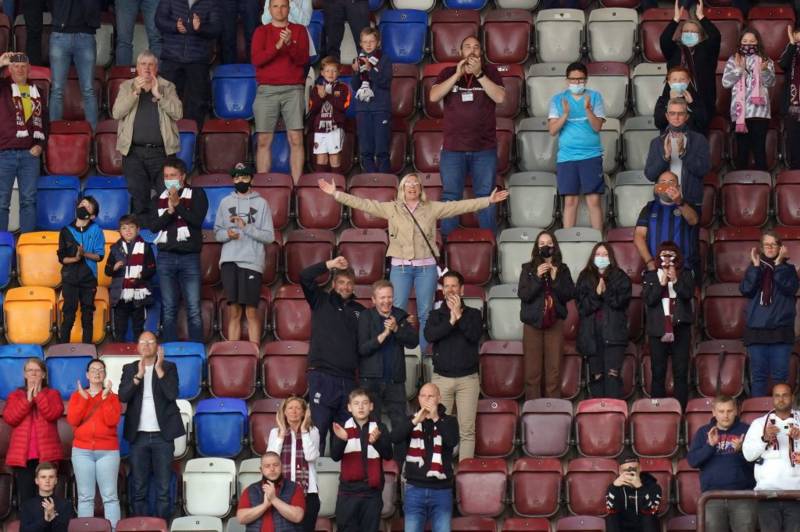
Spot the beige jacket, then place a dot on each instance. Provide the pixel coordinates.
(170, 110)
(405, 240)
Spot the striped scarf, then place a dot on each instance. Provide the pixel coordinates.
(354, 467)
(19, 112)
(668, 297)
(772, 420)
(298, 473)
(183, 229)
(418, 454)
(754, 96)
(133, 287)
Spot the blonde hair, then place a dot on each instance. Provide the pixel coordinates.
(280, 415)
(400, 187)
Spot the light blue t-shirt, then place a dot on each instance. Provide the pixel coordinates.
(577, 141)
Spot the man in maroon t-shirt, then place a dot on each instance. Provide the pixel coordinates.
(470, 91)
(274, 502)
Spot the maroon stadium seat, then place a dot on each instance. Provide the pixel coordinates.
(635, 314)
(12, 526)
(472, 524)
(630, 367)
(728, 21)
(284, 369)
(398, 145)
(68, 147)
(724, 311)
(277, 190)
(142, 524)
(698, 413)
(651, 26)
(655, 427)
(348, 148)
(39, 76)
(73, 100)
(316, 209)
(628, 259)
(405, 81)
(208, 310)
(379, 187)
(661, 469)
(546, 426)
(682, 523)
(647, 374)
(536, 486)
(262, 420)
(66, 433)
(723, 103)
(718, 133)
(787, 197)
(708, 214)
(272, 260)
(429, 75)
(745, 197)
(262, 312)
(571, 369)
(580, 523)
(427, 140)
(5, 32)
(526, 524)
(481, 487)
(6, 482)
(507, 35)
(790, 237)
(307, 247)
(571, 322)
(731, 251)
(687, 487)
(495, 427)
(233, 369)
(600, 427)
(223, 143)
(291, 315)
(514, 83)
(448, 28)
(719, 366)
(505, 145)
(5, 432)
(117, 75)
(391, 474)
(209, 259)
(323, 525)
(109, 160)
(365, 251)
(771, 22)
(772, 142)
(754, 407)
(471, 252)
(432, 183)
(89, 524)
(587, 483)
(502, 369)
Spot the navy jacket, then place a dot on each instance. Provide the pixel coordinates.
(781, 312)
(696, 164)
(720, 467)
(370, 326)
(192, 46)
(380, 81)
(61, 13)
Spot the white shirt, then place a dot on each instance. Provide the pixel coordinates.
(675, 161)
(775, 471)
(148, 421)
(310, 452)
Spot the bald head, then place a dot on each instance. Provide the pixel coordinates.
(430, 392)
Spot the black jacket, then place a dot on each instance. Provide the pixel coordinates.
(531, 292)
(698, 114)
(370, 326)
(192, 46)
(193, 217)
(448, 430)
(334, 326)
(165, 392)
(785, 61)
(31, 516)
(696, 163)
(117, 253)
(628, 507)
(652, 292)
(612, 328)
(455, 347)
(64, 18)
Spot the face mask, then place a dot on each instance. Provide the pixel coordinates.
(679, 87)
(172, 183)
(748, 49)
(546, 252)
(601, 262)
(690, 38)
(577, 89)
(241, 186)
(82, 213)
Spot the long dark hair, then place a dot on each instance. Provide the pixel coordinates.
(759, 43)
(536, 260)
(590, 272)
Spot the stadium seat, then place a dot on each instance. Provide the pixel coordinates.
(575, 244)
(111, 192)
(503, 313)
(89, 524)
(745, 197)
(621, 241)
(708, 213)
(481, 487)
(190, 359)
(536, 147)
(472, 524)
(723, 103)
(531, 202)
(209, 258)
(391, 475)
(283, 369)
(12, 364)
(277, 190)
(142, 524)
(637, 132)
(724, 311)
(5, 431)
(698, 413)
(115, 356)
(731, 250)
(217, 187)
(448, 28)
(787, 197)
(648, 83)
(767, 20)
(430, 73)
(262, 314)
(221, 426)
(495, 427)
(233, 134)
(379, 187)
(754, 407)
(728, 21)
(571, 373)
(196, 523)
(611, 140)
(5, 31)
(514, 249)
(115, 77)
(687, 487)
(612, 34)
(682, 523)
(600, 427)
(305, 247)
(291, 315)
(426, 139)
(73, 99)
(262, 420)
(545, 427)
(328, 484)
(56, 197)
(398, 145)
(209, 301)
(580, 523)
(233, 369)
(720, 367)
(403, 33)
(543, 80)
(30, 314)
(501, 369)
(505, 145)
(365, 251)
(586, 485)
(66, 364)
(7, 251)
(12, 526)
(315, 209)
(661, 469)
(632, 191)
(559, 35)
(68, 147)
(611, 80)
(109, 160)
(102, 313)
(651, 26)
(233, 89)
(513, 77)
(471, 252)
(507, 35)
(110, 237)
(249, 472)
(405, 80)
(536, 487)
(655, 427)
(187, 130)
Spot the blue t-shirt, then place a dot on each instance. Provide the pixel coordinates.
(577, 141)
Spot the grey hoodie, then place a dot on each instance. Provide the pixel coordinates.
(248, 250)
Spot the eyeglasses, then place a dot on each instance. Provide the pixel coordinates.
(97, 370)
(770, 245)
(147, 342)
(576, 80)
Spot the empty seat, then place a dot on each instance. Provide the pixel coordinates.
(708, 213)
(56, 197)
(543, 80)
(536, 486)
(503, 309)
(651, 26)
(190, 360)
(600, 427)
(109, 160)
(682, 523)
(531, 202)
(426, 139)
(209, 485)
(611, 81)
(535, 146)
(277, 190)
(328, 483)
(698, 413)
(431, 73)
(115, 356)
(315, 209)
(648, 82)
(587, 482)
(233, 369)
(745, 197)
(111, 192)
(142, 524)
(612, 34)
(187, 130)
(262, 421)
(611, 140)
(379, 187)
(306, 247)
(233, 134)
(405, 80)
(495, 427)
(471, 252)
(787, 197)
(196, 523)
(514, 249)
(481, 487)
(398, 145)
(365, 251)
(687, 487)
(621, 241)
(767, 20)
(632, 191)
(115, 77)
(655, 427)
(291, 315)
(30, 315)
(580, 523)
(221, 427)
(546, 426)
(284, 369)
(754, 407)
(501, 369)
(12, 364)
(637, 132)
(576, 244)
(559, 35)
(724, 311)
(731, 250)
(262, 314)
(449, 27)
(661, 470)
(507, 35)
(513, 78)
(233, 90)
(66, 364)
(68, 147)
(217, 187)
(720, 367)
(102, 312)
(403, 33)
(89, 524)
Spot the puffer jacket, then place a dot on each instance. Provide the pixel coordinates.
(651, 294)
(44, 411)
(531, 291)
(612, 328)
(192, 46)
(170, 110)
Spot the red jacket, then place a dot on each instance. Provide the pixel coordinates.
(95, 426)
(44, 410)
(339, 99)
(284, 66)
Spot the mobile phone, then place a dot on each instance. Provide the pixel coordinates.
(18, 58)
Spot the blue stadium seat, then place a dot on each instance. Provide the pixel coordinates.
(315, 29)
(12, 362)
(188, 133)
(7, 257)
(216, 187)
(465, 4)
(66, 364)
(190, 358)
(111, 192)
(124, 445)
(375, 5)
(220, 426)
(281, 161)
(403, 33)
(56, 198)
(234, 89)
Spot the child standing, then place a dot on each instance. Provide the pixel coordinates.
(330, 98)
(373, 89)
(131, 265)
(749, 73)
(81, 246)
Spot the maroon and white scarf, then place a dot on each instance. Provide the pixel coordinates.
(19, 112)
(353, 467)
(417, 454)
(133, 288)
(365, 92)
(299, 473)
(794, 85)
(668, 299)
(767, 280)
(163, 205)
(771, 420)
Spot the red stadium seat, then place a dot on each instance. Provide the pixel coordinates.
(745, 197)
(66, 433)
(432, 183)
(546, 426)
(728, 21)
(390, 495)
(379, 187)
(507, 35)
(348, 148)
(505, 145)
(580, 523)
(232, 369)
(291, 315)
(687, 487)
(790, 237)
(522, 524)
(682, 523)
(655, 427)
(768, 20)
(571, 368)
(708, 214)
(600, 427)
(723, 103)
(273, 260)
(724, 311)
(481, 487)
(398, 145)
(323, 525)
(772, 142)
(427, 141)
(262, 313)
(117, 75)
(787, 197)
(284, 369)
(68, 147)
(315, 209)
(536, 486)
(5, 31)
(754, 407)
(587, 482)
(628, 259)
(277, 190)
(109, 160)
(6, 499)
(502, 369)
(448, 28)
(495, 427)
(405, 81)
(89, 524)
(262, 420)
(718, 133)
(429, 75)
(142, 524)
(731, 251)
(209, 259)
(698, 413)
(514, 84)
(305, 247)
(365, 251)
(73, 99)
(630, 367)
(472, 524)
(719, 366)
(647, 375)
(635, 314)
(223, 143)
(651, 26)
(471, 252)
(661, 469)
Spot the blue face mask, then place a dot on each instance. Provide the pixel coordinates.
(679, 87)
(601, 262)
(172, 183)
(690, 38)
(577, 89)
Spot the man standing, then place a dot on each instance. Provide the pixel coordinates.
(148, 110)
(455, 330)
(717, 452)
(33, 11)
(274, 503)
(126, 12)
(770, 444)
(47, 511)
(471, 90)
(24, 113)
(355, 12)
(633, 498)
(149, 387)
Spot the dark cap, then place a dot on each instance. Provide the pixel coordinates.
(242, 169)
(627, 457)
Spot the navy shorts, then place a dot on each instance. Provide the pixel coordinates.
(580, 177)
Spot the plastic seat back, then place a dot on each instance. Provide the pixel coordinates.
(196, 523)
(233, 90)
(532, 201)
(328, 484)
(731, 250)
(554, 415)
(559, 35)
(68, 147)
(284, 369)
(233, 134)
(600, 427)
(513, 78)
(514, 249)
(612, 34)
(365, 251)
(632, 191)
(405, 80)
(766, 20)
(277, 190)
(306, 247)
(611, 80)
(111, 192)
(56, 197)
(720, 368)
(648, 82)
(66, 364)
(651, 26)
(109, 160)
(481, 487)
(188, 137)
(537, 148)
(403, 33)
(536, 487)
(576, 244)
(471, 252)
(233, 369)
(448, 28)
(745, 197)
(379, 187)
(507, 35)
(687, 487)
(503, 308)
(30, 315)
(208, 486)
(315, 209)
(543, 80)
(724, 311)
(221, 426)
(501, 369)
(637, 132)
(291, 315)
(89, 524)
(655, 427)
(262, 421)
(495, 427)
(586, 485)
(216, 187)
(7, 257)
(787, 197)
(12, 364)
(142, 524)
(190, 359)
(426, 140)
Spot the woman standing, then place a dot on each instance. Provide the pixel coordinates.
(790, 63)
(94, 414)
(603, 294)
(33, 411)
(770, 283)
(296, 440)
(545, 287)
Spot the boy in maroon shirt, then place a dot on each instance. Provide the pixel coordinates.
(329, 101)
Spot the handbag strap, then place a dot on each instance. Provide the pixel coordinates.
(430, 247)
(92, 410)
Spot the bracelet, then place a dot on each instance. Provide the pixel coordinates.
(479, 76)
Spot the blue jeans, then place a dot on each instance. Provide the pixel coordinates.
(151, 461)
(81, 49)
(25, 167)
(102, 468)
(421, 503)
(127, 10)
(423, 280)
(374, 138)
(768, 362)
(454, 167)
(179, 275)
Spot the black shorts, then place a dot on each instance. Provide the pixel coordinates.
(242, 286)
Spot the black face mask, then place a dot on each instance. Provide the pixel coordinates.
(546, 251)
(82, 213)
(241, 186)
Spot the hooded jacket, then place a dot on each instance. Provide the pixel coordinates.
(612, 327)
(370, 326)
(630, 505)
(247, 251)
(773, 469)
(721, 467)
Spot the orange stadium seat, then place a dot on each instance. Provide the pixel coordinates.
(283, 370)
(30, 315)
(102, 312)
